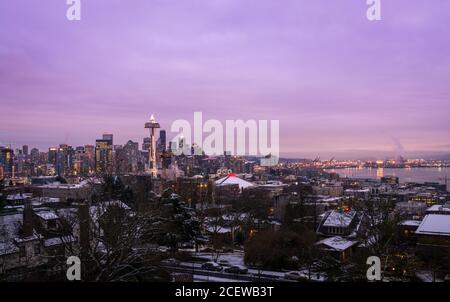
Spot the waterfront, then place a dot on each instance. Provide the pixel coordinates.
(419, 175)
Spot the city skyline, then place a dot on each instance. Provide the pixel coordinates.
(357, 88)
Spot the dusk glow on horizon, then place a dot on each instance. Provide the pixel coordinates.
(338, 83)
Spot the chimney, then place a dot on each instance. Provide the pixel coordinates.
(27, 219)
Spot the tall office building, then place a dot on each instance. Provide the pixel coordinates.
(25, 150)
(162, 143)
(34, 155)
(108, 137)
(89, 151)
(103, 156)
(146, 144)
(61, 161)
(6, 162)
(52, 155)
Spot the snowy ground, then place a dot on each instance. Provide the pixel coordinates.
(235, 258)
(201, 278)
(426, 276)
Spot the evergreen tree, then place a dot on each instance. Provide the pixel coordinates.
(174, 222)
(114, 189)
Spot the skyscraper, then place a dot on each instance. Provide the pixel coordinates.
(162, 143)
(108, 137)
(25, 150)
(146, 144)
(6, 162)
(52, 155)
(89, 151)
(34, 155)
(103, 156)
(61, 161)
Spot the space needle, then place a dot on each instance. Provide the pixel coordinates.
(152, 125)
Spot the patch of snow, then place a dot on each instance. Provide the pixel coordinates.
(339, 219)
(337, 243)
(435, 224)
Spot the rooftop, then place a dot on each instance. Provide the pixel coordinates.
(47, 215)
(435, 224)
(413, 223)
(232, 179)
(337, 243)
(9, 228)
(339, 219)
(439, 208)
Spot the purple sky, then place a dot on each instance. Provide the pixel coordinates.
(338, 83)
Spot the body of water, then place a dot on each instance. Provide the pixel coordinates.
(419, 175)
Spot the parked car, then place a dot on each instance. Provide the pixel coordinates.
(236, 269)
(163, 249)
(313, 276)
(293, 276)
(212, 266)
(306, 276)
(187, 245)
(171, 261)
(224, 262)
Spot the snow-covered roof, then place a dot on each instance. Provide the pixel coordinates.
(232, 179)
(330, 199)
(339, 219)
(41, 200)
(9, 228)
(58, 185)
(19, 196)
(439, 208)
(59, 240)
(337, 243)
(271, 184)
(413, 223)
(47, 215)
(435, 224)
(357, 190)
(218, 229)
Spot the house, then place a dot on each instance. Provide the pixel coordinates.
(20, 245)
(17, 199)
(338, 247)
(410, 209)
(341, 223)
(407, 230)
(439, 209)
(48, 219)
(433, 235)
(232, 179)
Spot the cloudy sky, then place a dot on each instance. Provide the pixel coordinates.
(338, 83)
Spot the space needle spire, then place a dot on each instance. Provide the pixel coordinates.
(152, 125)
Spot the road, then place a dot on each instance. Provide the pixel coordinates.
(252, 276)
